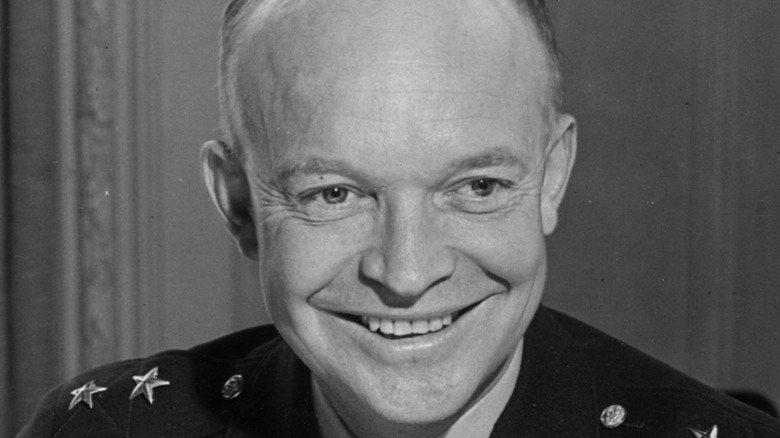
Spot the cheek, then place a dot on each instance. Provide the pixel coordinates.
(511, 247)
(298, 259)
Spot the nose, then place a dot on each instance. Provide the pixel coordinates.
(410, 255)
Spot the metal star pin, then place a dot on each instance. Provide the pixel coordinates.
(712, 432)
(84, 394)
(146, 384)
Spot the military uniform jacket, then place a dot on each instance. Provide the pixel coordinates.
(251, 384)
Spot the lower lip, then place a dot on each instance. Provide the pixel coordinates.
(421, 349)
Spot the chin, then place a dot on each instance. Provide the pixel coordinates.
(405, 407)
(415, 398)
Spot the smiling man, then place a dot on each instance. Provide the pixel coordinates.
(393, 166)
(394, 194)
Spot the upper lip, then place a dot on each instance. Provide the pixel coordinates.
(399, 314)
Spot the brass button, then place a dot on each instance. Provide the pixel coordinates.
(613, 416)
(232, 387)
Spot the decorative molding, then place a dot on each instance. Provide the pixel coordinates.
(34, 236)
(108, 249)
(147, 143)
(96, 145)
(68, 177)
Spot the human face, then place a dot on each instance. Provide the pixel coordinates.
(398, 184)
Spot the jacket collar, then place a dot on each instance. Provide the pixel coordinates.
(554, 395)
(279, 400)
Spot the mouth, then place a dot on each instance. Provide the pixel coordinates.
(400, 328)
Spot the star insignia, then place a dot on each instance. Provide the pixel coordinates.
(84, 394)
(712, 432)
(145, 385)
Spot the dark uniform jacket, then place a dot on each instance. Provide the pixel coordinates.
(250, 384)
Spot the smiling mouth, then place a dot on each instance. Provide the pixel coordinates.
(399, 328)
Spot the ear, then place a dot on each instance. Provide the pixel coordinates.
(227, 185)
(559, 159)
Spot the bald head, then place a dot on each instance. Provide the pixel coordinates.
(277, 51)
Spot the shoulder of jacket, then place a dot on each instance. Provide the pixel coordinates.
(173, 393)
(656, 396)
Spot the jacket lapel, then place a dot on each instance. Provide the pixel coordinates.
(279, 400)
(554, 395)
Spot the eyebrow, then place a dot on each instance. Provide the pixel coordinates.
(496, 157)
(310, 166)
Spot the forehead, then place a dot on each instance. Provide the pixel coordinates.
(380, 60)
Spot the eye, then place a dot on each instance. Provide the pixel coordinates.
(331, 195)
(480, 188)
(481, 194)
(332, 202)
(484, 187)
(332, 198)
(334, 195)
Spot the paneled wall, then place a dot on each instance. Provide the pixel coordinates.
(111, 248)
(669, 237)
(31, 303)
(146, 263)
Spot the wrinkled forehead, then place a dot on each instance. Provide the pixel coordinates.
(298, 49)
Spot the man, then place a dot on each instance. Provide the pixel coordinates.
(394, 166)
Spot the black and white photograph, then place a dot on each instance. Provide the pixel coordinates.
(389, 218)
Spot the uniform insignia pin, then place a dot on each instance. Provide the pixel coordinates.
(712, 432)
(233, 387)
(145, 385)
(613, 416)
(84, 394)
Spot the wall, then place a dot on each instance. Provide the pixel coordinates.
(202, 268)
(669, 235)
(110, 247)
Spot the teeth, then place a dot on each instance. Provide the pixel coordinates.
(404, 327)
(420, 327)
(386, 325)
